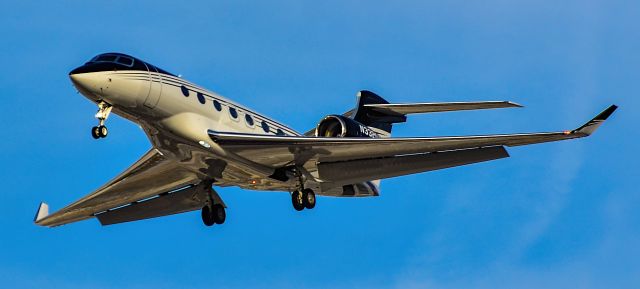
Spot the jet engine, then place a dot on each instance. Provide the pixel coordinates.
(342, 126)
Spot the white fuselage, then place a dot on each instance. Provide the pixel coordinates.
(176, 115)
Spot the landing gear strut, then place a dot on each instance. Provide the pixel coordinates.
(100, 131)
(302, 198)
(213, 211)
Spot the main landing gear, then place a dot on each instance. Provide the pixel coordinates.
(213, 211)
(213, 214)
(100, 131)
(303, 199)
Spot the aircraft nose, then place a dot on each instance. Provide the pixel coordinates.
(81, 81)
(86, 82)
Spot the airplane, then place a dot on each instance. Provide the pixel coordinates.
(200, 140)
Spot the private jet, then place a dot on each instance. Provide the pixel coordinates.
(201, 140)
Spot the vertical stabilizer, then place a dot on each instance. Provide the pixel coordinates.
(382, 120)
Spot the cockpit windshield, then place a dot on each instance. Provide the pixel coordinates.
(117, 61)
(113, 58)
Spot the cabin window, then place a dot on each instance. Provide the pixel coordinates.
(201, 98)
(185, 90)
(248, 119)
(265, 126)
(217, 105)
(279, 132)
(233, 112)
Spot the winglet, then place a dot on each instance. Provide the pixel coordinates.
(43, 212)
(514, 104)
(591, 126)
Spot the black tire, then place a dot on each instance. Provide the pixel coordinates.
(308, 198)
(207, 216)
(219, 214)
(296, 200)
(103, 131)
(95, 132)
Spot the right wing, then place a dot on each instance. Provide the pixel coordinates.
(151, 175)
(279, 151)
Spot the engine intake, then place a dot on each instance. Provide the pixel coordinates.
(342, 126)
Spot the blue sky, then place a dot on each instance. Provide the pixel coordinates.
(554, 215)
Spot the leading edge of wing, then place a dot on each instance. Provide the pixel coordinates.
(389, 146)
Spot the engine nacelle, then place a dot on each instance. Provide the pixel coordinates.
(342, 126)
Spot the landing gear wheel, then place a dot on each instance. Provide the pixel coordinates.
(95, 132)
(308, 198)
(219, 214)
(296, 200)
(100, 131)
(207, 216)
(103, 131)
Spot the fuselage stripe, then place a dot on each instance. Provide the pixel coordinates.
(177, 82)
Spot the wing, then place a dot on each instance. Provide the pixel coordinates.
(151, 175)
(279, 151)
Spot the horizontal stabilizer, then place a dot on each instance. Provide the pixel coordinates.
(409, 108)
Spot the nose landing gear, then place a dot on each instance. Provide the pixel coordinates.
(100, 131)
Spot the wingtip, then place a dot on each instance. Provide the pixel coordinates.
(591, 126)
(514, 104)
(606, 113)
(43, 212)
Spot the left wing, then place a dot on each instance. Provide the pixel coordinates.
(151, 175)
(279, 151)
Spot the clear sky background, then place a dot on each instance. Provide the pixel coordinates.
(559, 215)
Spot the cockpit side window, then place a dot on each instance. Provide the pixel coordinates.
(105, 58)
(124, 60)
